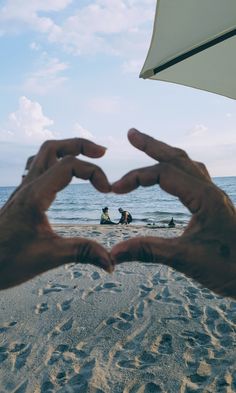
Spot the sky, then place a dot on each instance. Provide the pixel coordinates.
(71, 69)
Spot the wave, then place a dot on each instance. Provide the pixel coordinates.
(165, 213)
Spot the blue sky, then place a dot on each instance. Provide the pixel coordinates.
(70, 68)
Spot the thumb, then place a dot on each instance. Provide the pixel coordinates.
(58, 251)
(82, 250)
(46, 254)
(146, 249)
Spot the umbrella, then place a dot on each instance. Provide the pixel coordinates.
(194, 44)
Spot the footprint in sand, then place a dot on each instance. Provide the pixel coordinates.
(165, 296)
(95, 276)
(222, 386)
(64, 352)
(211, 316)
(110, 286)
(61, 378)
(139, 310)
(75, 274)
(65, 305)
(165, 346)
(22, 387)
(80, 380)
(119, 323)
(123, 321)
(149, 387)
(144, 290)
(157, 279)
(191, 293)
(6, 326)
(40, 308)
(147, 359)
(230, 311)
(51, 288)
(19, 354)
(3, 353)
(134, 343)
(58, 353)
(194, 311)
(65, 326)
(47, 387)
(207, 294)
(197, 338)
(234, 380)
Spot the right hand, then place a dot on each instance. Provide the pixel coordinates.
(207, 249)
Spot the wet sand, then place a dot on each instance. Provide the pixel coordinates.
(143, 329)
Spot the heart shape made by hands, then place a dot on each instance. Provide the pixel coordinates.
(29, 246)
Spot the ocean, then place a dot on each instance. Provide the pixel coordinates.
(82, 204)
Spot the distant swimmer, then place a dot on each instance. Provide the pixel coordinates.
(171, 223)
(126, 217)
(105, 218)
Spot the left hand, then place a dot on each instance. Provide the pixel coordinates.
(28, 245)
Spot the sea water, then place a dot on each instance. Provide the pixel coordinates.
(82, 204)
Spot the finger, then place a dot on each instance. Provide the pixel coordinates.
(162, 152)
(190, 190)
(47, 254)
(28, 165)
(139, 177)
(146, 249)
(44, 189)
(203, 169)
(79, 250)
(29, 162)
(50, 151)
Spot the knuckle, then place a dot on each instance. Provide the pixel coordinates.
(84, 252)
(216, 198)
(203, 167)
(29, 162)
(180, 153)
(47, 145)
(67, 160)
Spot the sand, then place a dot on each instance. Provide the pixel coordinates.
(140, 330)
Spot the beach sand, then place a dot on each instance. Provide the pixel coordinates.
(143, 329)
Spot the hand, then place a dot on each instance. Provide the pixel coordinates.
(207, 249)
(28, 245)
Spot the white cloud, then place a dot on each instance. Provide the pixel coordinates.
(47, 77)
(118, 27)
(34, 46)
(106, 26)
(132, 66)
(15, 15)
(27, 124)
(81, 132)
(198, 130)
(105, 105)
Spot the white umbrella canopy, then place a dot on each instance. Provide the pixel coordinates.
(194, 44)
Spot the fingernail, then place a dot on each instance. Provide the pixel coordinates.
(132, 131)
